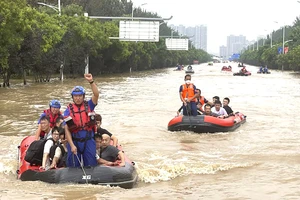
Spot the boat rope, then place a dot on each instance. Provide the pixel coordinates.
(81, 165)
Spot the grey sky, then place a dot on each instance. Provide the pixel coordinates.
(251, 18)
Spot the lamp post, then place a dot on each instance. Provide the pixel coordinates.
(271, 39)
(56, 8)
(138, 6)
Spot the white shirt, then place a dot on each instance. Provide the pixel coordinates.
(222, 111)
(47, 147)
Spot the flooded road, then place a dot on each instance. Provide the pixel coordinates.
(260, 160)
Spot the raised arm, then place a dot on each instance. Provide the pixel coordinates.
(94, 88)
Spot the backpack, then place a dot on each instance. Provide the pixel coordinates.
(62, 160)
(34, 153)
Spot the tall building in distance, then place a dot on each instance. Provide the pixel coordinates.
(235, 44)
(223, 52)
(197, 35)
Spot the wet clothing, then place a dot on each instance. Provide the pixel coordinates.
(83, 139)
(228, 110)
(212, 114)
(190, 109)
(102, 131)
(222, 111)
(189, 92)
(109, 153)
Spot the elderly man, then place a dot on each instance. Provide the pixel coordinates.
(106, 153)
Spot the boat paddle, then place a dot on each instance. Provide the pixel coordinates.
(81, 165)
(188, 110)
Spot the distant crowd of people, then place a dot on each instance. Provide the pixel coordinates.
(193, 103)
(263, 69)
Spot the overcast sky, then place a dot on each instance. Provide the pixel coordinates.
(250, 18)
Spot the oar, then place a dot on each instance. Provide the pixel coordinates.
(188, 110)
(81, 165)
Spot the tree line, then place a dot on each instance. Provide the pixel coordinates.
(267, 55)
(36, 41)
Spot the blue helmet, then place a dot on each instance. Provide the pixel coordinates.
(78, 90)
(54, 104)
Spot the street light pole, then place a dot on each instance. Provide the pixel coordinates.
(132, 9)
(271, 39)
(59, 8)
(56, 8)
(283, 33)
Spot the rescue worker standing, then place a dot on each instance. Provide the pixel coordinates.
(80, 126)
(188, 96)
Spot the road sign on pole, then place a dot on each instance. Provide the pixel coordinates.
(144, 31)
(177, 44)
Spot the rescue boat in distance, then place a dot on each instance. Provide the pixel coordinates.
(206, 124)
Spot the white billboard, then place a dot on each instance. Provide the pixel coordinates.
(177, 44)
(144, 31)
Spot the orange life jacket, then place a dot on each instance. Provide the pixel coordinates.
(188, 92)
(201, 101)
(80, 117)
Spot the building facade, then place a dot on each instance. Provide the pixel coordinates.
(235, 44)
(197, 35)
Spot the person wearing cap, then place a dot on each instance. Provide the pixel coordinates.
(53, 113)
(80, 126)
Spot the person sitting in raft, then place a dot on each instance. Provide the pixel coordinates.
(44, 127)
(52, 113)
(51, 141)
(207, 111)
(101, 131)
(228, 109)
(266, 69)
(60, 151)
(214, 99)
(261, 69)
(106, 153)
(217, 109)
(59, 121)
(243, 70)
(200, 101)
